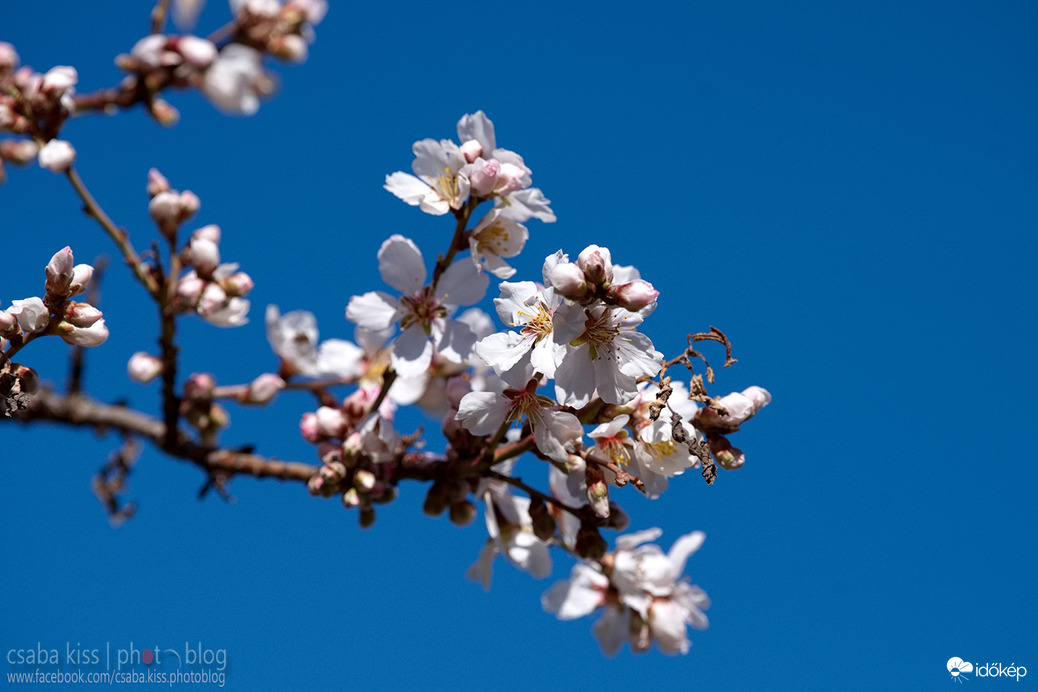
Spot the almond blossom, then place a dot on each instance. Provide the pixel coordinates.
(643, 594)
(422, 312)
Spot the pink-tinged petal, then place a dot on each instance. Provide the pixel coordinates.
(683, 548)
(611, 630)
(455, 341)
(374, 310)
(482, 413)
(578, 596)
(407, 187)
(478, 126)
(412, 352)
(462, 284)
(400, 264)
(630, 540)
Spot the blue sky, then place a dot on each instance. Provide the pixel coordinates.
(846, 189)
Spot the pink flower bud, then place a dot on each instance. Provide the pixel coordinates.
(143, 367)
(59, 272)
(596, 264)
(237, 285)
(189, 204)
(8, 324)
(58, 80)
(471, 150)
(213, 298)
(197, 52)
(18, 151)
(264, 388)
(364, 480)
(203, 255)
(291, 47)
(634, 295)
(483, 176)
(8, 58)
(156, 182)
(81, 314)
(510, 179)
(330, 421)
(81, 276)
(210, 232)
(569, 281)
(189, 289)
(758, 395)
(199, 387)
(149, 51)
(56, 155)
(94, 335)
(164, 209)
(739, 407)
(309, 428)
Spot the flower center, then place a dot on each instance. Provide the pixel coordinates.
(421, 309)
(539, 322)
(448, 188)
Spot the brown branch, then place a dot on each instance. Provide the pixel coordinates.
(78, 410)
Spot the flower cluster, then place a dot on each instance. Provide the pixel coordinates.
(640, 591)
(77, 323)
(215, 291)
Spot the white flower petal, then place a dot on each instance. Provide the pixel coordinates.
(400, 264)
(374, 310)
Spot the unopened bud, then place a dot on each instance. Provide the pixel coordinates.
(18, 151)
(189, 290)
(164, 209)
(81, 276)
(264, 388)
(435, 500)
(143, 367)
(81, 314)
(197, 52)
(203, 255)
(330, 421)
(363, 480)
(210, 232)
(569, 281)
(8, 324)
(482, 177)
(589, 543)
(634, 295)
(351, 498)
(462, 513)
(58, 80)
(56, 155)
(471, 150)
(291, 47)
(309, 429)
(59, 273)
(509, 179)
(93, 335)
(543, 524)
(199, 387)
(597, 264)
(164, 112)
(237, 284)
(367, 516)
(156, 182)
(727, 456)
(8, 58)
(32, 314)
(597, 490)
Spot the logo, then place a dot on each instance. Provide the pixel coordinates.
(957, 667)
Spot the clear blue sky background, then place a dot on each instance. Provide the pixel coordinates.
(847, 189)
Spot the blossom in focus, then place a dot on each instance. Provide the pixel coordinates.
(641, 591)
(422, 312)
(495, 237)
(603, 353)
(523, 304)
